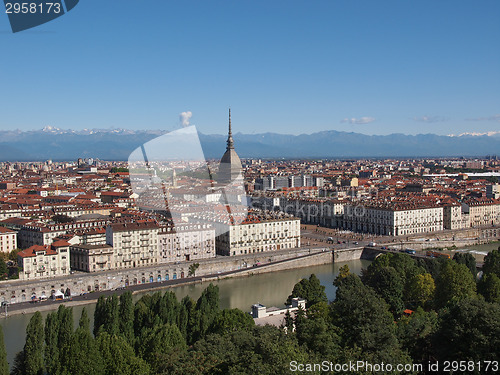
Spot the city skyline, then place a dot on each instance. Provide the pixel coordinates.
(284, 67)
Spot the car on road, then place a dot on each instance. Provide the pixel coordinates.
(356, 243)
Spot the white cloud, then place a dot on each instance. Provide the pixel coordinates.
(430, 119)
(185, 117)
(490, 118)
(358, 121)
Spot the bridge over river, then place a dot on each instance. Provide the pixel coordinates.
(372, 252)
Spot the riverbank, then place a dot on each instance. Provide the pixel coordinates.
(21, 291)
(311, 257)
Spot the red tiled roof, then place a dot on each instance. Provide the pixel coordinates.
(31, 251)
(60, 243)
(6, 230)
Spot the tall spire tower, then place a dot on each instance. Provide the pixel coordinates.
(230, 142)
(230, 164)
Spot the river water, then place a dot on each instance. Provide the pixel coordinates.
(270, 289)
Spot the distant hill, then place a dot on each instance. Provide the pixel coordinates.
(117, 144)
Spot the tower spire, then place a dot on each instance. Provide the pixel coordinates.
(230, 142)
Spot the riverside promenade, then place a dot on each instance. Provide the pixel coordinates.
(91, 286)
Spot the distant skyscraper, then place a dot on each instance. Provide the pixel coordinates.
(230, 164)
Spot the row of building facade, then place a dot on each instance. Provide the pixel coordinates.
(396, 218)
(141, 244)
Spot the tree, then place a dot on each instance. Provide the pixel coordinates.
(309, 289)
(405, 266)
(470, 330)
(65, 333)
(432, 265)
(106, 315)
(455, 282)
(99, 314)
(33, 347)
(262, 350)
(84, 358)
(192, 269)
(316, 332)
(4, 365)
(160, 340)
(4, 272)
(52, 364)
(492, 262)
(467, 259)
(13, 255)
(231, 320)
(119, 357)
(489, 287)
(126, 316)
(18, 367)
(344, 275)
(288, 323)
(206, 311)
(167, 307)
(421, 290)
(111, 320)
(415, 333)
(387, 282)
(363, 317)
(118, 169)
(184, 317)
(61, 219)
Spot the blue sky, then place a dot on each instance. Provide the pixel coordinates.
(374, 67)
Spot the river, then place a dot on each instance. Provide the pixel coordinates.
(270, 289)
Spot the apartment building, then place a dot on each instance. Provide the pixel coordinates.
(393, 219)
(8, 240)
(259, 234)
(187, 242)
(41, 234)
(44, 261)
(481, 212)
(453, 218)
(92, 258)
(134, 244)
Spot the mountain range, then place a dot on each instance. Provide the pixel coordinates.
(116, 144)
